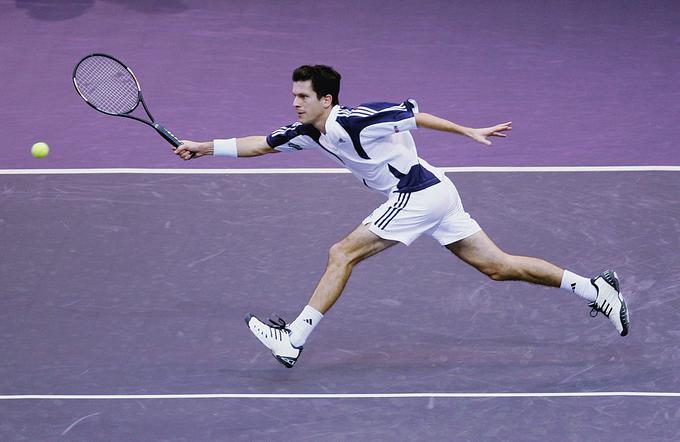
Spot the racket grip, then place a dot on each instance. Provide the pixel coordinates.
(169, 136)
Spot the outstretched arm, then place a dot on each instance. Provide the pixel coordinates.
(246, 147)
(480, 135)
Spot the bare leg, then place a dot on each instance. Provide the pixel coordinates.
(342, 257)
(480, 252)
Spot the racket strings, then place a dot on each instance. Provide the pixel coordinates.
(107, 85)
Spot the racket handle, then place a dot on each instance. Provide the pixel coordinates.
(169, 136)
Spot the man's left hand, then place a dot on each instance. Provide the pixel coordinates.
(480, 135)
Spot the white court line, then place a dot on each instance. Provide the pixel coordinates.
(341, 395)
(325, 170)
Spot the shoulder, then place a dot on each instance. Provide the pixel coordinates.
(383, 107)
(367, 114)
(367, 110)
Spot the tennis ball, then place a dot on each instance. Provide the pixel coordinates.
(40, 149)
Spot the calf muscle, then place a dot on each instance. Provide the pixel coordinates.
(480, 252)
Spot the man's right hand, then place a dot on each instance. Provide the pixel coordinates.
(191, 149)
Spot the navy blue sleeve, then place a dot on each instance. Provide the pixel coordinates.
(290, 138)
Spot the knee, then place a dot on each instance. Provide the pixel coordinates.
(499, 270)
(338, 255)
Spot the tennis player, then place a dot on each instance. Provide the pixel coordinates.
(374, 142)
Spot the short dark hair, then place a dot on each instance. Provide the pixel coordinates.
(325, 80)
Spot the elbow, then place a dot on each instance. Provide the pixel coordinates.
(254, 147)
(421, 119)
(264, 150)
(267, 149)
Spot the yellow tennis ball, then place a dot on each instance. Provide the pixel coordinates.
(40, 150)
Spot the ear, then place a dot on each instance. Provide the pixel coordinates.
(327, 101)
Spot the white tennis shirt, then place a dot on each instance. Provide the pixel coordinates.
(372, 141)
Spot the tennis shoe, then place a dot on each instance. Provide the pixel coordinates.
(276, 337)
(609, 301)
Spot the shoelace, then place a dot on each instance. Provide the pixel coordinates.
(280, 323)
(594, 308)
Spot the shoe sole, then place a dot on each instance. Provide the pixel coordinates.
(625, 320)
(613, 280)
(623, 314)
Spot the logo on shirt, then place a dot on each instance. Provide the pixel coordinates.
(294, 146)
(341, 140)
(396, 129)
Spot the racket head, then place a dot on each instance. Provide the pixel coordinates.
(106, 84)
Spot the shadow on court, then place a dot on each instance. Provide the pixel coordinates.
(54, 10)
(66, 10)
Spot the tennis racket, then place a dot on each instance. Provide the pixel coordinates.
(109, 86)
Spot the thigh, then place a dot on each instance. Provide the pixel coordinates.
(457, 224)
(478, 250)
(406, 216)
(362, 243)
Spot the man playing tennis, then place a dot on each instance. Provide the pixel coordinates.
(374, 142)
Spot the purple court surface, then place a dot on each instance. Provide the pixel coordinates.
(122, 295)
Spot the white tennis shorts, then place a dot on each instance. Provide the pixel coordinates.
(436, 211)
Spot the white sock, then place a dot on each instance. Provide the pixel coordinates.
(302, 327)
(578, 285)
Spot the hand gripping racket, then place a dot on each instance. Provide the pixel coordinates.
(110, 87)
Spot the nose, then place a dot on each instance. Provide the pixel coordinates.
(296, 102)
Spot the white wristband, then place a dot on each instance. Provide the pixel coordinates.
(225, 148)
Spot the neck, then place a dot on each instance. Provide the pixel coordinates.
(320, 123)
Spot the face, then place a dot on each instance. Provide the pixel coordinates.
(308, 106)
